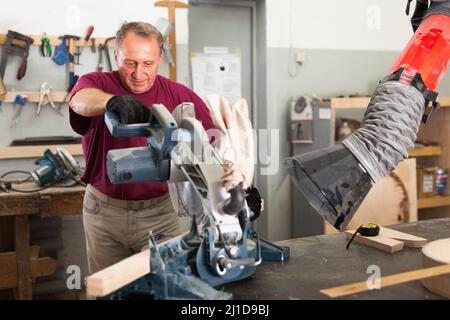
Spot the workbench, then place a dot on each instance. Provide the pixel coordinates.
(322, 262)
(51, 202)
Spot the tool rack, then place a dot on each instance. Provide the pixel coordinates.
(57, 96)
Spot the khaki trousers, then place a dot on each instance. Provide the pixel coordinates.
(114, 233)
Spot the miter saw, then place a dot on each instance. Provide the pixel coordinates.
(221, 246)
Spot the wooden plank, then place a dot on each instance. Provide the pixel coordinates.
(33, 96)
(350, 103)
(387, 281)
(39, 267)
(120, 274)
(20, 152)
(409, 239)
(22, 245)
(363, 102)
(444, 101)
(55, 41)
(433, 202)
(426, 151)
(378, 242)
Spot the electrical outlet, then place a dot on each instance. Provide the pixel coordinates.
(300, 57)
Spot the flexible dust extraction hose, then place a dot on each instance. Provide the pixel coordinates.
(389, 128)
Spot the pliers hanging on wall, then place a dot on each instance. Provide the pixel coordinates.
(45, 98)
(46, 48)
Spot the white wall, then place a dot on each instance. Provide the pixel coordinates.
(57, 17)
(338, 24)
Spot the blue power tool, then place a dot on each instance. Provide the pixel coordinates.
(55, 167)
(221, 246)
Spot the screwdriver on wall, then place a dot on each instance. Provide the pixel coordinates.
(87, 37)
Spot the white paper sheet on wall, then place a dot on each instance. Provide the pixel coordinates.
(217, 73)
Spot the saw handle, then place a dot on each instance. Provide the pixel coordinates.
(118, 129)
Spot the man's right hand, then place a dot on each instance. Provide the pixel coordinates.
(129, 109)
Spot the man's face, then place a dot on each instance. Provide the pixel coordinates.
(138, 60)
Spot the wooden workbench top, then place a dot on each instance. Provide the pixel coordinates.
(321, 262)
(53, 201)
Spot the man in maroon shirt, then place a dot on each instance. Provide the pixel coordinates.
(117, 217)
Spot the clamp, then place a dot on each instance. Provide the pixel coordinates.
(45, 98)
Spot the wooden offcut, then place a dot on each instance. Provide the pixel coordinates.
(389, 240)
(409, 239)
(379, 242)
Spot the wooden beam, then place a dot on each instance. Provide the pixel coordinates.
(22, 246)
(444, 101)
(356, 287)
(433, 202)
(363, 102)
(33, 96)
(350, 103)
(171, 6)
(54, 41)
(19, 152)
(118, 275)
(426, 151)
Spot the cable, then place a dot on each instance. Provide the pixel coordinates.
(74, 178)
(17, 171)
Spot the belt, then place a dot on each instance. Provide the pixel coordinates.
(126, 204)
